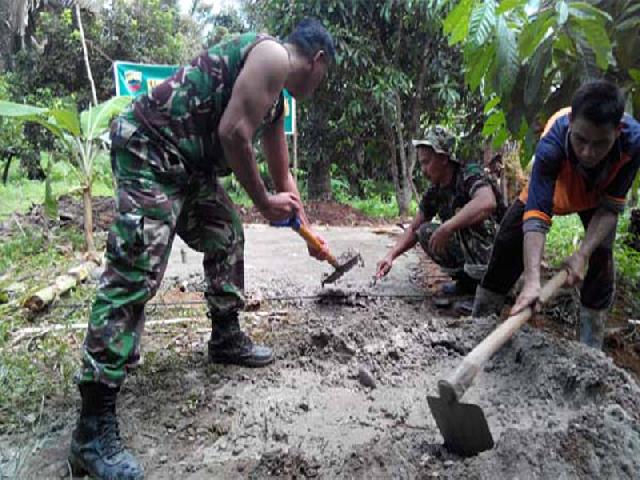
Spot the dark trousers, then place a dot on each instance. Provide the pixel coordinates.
(506, 264)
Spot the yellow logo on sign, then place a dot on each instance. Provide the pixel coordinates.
(153, 82)
(133, 79)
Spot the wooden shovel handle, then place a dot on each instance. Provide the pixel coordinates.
(312, 240)
(453, 389)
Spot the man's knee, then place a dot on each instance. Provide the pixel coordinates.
(424, 233)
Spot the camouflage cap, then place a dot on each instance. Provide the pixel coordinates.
(440, 139)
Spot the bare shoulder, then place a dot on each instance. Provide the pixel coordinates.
(269, 55)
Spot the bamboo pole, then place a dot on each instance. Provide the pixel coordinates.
(86, 55)
(62, 284)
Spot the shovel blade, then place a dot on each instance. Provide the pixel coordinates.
(463, 426)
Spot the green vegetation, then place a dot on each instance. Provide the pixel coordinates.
(526, 58)
(20, 193)
(80, 137)
(567, 232)
(36, 367)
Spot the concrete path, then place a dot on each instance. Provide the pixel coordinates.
(279, 256)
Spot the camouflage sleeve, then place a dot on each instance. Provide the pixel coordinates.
(428, 204)
(474, 178)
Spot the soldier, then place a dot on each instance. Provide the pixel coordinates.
(584, 163)
(168, 152)
(465, 201)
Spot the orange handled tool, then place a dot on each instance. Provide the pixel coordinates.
(341, 267)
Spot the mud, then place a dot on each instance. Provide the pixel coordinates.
(346, 397)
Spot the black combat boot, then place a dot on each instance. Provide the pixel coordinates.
(462, 285)
(229, 344)
(96, 447)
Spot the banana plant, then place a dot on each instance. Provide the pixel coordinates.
(80, 135)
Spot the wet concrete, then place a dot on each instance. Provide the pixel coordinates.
(280, 255)
(557, 409)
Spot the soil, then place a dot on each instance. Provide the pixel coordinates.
(322, 213)
(346, 397)
(70, 211)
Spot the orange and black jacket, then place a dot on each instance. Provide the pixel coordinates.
(559, 185)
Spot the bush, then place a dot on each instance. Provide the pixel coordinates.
(567, 233)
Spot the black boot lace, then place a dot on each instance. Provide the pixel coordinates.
(110, 436)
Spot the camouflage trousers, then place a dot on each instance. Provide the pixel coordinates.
(467, 252)
(157, 197)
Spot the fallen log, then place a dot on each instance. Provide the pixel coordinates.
(62, 284)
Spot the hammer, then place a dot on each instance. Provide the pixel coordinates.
(347, 261)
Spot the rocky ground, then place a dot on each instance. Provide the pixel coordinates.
(346, 397)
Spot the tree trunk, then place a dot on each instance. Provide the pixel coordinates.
(88, 219)
(319, 182)
(393, 157)
(360, 168)
(404, 192)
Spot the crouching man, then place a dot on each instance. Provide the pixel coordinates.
(464, 200)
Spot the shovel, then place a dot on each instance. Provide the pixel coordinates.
(464, 426)
(347, 261)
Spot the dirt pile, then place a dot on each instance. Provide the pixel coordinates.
(556, 409)
(321, 213)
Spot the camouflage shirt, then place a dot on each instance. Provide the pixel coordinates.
(445, 202)
(183, 112)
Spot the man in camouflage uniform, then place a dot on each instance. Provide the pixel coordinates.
(464, 199)
(168, 152)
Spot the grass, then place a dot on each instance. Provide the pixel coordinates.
(20, 193)
(567, 233)
(18, 196)
(379, 208)
(37, 368)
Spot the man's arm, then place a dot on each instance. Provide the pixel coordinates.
(533, 249)
(277, 154)
(275, 149)
(258, 85)
(480, 207)
(407, 240)
(539, 209)
(602, 225)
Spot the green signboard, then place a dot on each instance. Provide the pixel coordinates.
(133, 79)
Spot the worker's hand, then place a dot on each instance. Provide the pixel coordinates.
(384, 267)
(528, 297)
(281, 206)
(440, 238)
(323, 253)
(576, 265)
